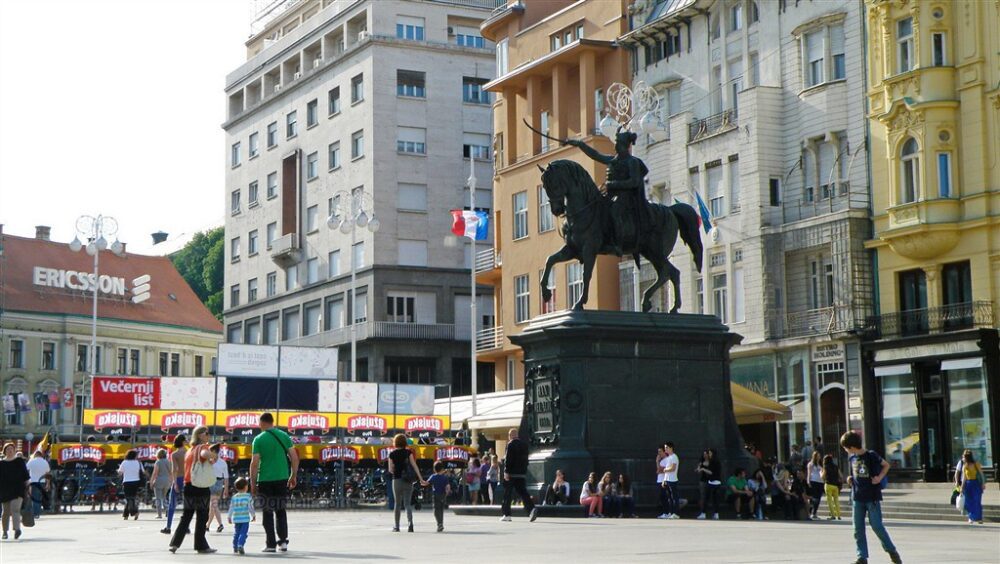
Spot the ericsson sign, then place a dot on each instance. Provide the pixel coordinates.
(83, 281)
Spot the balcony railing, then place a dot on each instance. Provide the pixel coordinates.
(420, 331)
(712, 124)
(954, 317)
(819, 321)
(489, 339)
(487, 260)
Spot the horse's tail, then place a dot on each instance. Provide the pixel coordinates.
(688, 225)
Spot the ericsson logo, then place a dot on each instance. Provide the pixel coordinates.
(140, 289)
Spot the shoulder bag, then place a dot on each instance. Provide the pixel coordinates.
(202, 474)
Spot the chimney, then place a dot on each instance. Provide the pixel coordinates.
(159, 237)
(42, 232)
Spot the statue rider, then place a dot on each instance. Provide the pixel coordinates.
(625, 186)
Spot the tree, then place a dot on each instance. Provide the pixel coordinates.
(200, 262)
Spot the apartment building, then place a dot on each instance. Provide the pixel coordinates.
(931, 357)
(555, 60)
(377, 102)
(46, 319)
(761, 105)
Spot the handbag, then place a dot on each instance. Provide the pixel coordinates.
(960, 502)
(202, 474)
(27, 514)
(954, 494)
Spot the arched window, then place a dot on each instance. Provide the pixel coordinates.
(909, 177)
(754, 12)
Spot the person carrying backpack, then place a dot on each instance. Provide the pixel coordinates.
(868, 469)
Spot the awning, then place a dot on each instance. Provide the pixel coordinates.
(502, 410)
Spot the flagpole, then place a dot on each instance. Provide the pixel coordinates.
(472, 277)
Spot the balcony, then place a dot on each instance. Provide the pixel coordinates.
(416, 331)
(489, 339)
(811, 322)
(285, 250)
(930, 321)
(702, 128)
(487, 266)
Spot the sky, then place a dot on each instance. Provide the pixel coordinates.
(114, 107)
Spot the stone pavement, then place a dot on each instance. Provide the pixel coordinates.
(356, 536)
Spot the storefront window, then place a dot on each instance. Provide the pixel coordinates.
(970, 414)
(900, 425)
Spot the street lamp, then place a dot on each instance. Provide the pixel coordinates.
(635, 109)
(96, 231)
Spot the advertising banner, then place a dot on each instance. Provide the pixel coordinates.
(309, 362)
(334, 453)
(406, 399)
(423, 426)
(192, 393)
(355, 397)
(365, 424)
(248, 360)
(102, 419)
(80, 453)
(239, 422)
(306, 423)
(147, 452)
(120, 392)
(178, 422)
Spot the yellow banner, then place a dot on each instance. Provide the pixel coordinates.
(115, 418)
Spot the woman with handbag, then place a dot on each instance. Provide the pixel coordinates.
(972, 487)
(14, 480)
(198, 478)
(404, 470)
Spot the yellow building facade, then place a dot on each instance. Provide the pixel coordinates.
(934, 116)
(555, 61)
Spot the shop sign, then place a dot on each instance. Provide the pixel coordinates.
(310, 421)
(125, 393)
(367, 425)
(339, 452)
(918, 351)
(116, 419)
(81, 453)
(83, 281)
(182, 420)
(828, 352)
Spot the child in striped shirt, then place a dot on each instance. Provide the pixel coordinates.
(241, 514)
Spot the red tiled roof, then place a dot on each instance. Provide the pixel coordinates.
(22, 255)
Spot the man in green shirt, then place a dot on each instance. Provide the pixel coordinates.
(273, 469)
(738, 490)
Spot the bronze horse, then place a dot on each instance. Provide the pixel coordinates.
(588, 232)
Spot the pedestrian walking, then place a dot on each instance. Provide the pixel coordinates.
(132, 473)
(473, 477)
(241, 514)
(14, 480)
(668, 485)
(38, 469)
(831, 486)
(484, 482)
(198, 477)
(493, 477)
(218, 491)
(709, 481)
(404, 470)
(273, 472)
(973, 482)
(160, 481)
(814, 471)
(515, 467)
(867, 471)
(441, 489)
(177, 459)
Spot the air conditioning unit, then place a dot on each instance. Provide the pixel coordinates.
(277, 88)
(451, 31)
(297, 76)
(363, 35)
(316, 63)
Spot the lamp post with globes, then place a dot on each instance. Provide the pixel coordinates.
(635, 109)
(96, 231)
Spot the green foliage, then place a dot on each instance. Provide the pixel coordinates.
(200, 262)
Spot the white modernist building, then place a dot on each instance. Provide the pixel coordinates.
(379, 102)
(763, 112)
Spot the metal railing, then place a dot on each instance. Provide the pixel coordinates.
(954, 317)
(712, 124)
(489, 339)
(487, 260)
(423, 331)
(811, 322)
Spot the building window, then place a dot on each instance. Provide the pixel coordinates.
(252, 193)
(520, 215)
(234, 249)
(470, 40)
(358, 144)
(251, 290)
(312, 318)
(358, 255)
(270, 334)
(122, 367)
(333, 264)
(720, 299)
(312, 113)
(716, 195)
(272, 185)
(410, 28)
(714, 24)
(312, 218)
(312, 270)
(754, 12)
(175, 364)
(83, 359)
(944, 174)
(511, 373)
(543, 122)
(904, 45)
(199, 366)
(360, 309)
(333, 101)
(410, 370)
(910, 171)
(502, 57)
(291, 125)
(814, 57)
(830, 284)
(734, 184)
(476, 146)
(252, 243)
(400, 308)
(272, 134)
(234, 295)
(546, 221)
(808, 175)
(774, 189)
(312, 166)
(827, 156)
(334, 313)
(272, 233)
(814, 285)
(837, 52)
(357, 88)
(412, 140)
(739, 302)
(550, 305)
(736, 17)
(234, 202)
(410, 84)
(134, 363)
(574, 283)
(291, 278)
(700, 294)
(272, 284)
(333, 155)
(254, 144)
(164, 361)
(521, 298)
(290, 324)
(16, 353)
(938, 50)
(235, 155)
(234, 334)
(412, 197)
(472, 90)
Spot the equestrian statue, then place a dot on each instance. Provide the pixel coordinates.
(618, 221)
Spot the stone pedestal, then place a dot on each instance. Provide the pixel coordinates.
(604, 388)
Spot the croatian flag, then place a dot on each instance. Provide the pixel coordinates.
(705, 218)
(471, 224)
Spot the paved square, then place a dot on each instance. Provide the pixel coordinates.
(365, 536)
